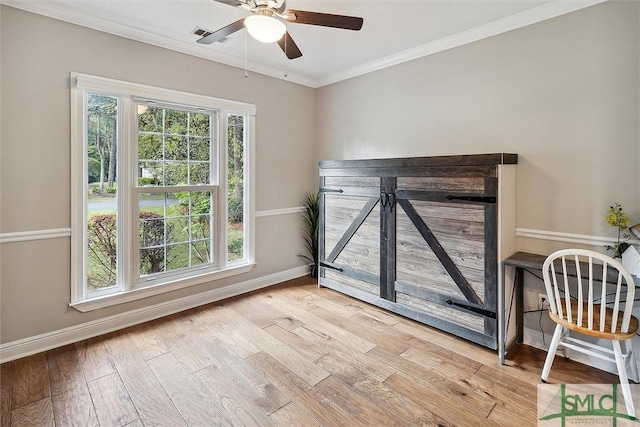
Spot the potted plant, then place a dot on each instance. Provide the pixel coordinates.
(619, 219)
(311, 217)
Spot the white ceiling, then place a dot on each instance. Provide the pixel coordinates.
(393, 31)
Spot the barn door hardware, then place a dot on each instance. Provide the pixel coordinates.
(324, 264)
(473, 308)
(481, 199)
(388, 199)
(331, 190)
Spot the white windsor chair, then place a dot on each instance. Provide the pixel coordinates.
(593, 311)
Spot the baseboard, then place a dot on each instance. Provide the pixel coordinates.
(36, 344)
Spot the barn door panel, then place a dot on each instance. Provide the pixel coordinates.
(443, 248)
(350, 249)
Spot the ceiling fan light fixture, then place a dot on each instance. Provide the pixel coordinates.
(266, 29)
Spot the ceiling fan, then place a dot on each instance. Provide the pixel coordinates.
(266, 23)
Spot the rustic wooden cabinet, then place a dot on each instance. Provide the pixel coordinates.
(422, 237)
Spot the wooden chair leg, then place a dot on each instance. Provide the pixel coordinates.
(624, 380)
(553, 346)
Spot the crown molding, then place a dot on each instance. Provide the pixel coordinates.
(544, 12)
(58, 11)
(523, 19)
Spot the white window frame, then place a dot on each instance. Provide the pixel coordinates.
(129, 94)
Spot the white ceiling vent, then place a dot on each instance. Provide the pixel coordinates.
(201, 32)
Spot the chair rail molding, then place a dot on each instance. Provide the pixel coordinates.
(583, 239)
(56, 233)
(25, 236)
(284, 211)
(555, 236)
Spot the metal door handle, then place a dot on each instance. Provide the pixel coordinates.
(483, 199)
(384, 199)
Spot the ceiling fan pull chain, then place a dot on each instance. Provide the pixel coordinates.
(286, 62)
(246, 55)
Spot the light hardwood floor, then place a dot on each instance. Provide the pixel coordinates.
(289, 355)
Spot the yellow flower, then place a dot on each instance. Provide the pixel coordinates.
(617, 217)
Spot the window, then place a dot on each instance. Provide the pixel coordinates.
(162, 194)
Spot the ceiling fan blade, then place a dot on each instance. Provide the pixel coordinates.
(222, 32)
(289, 47)
(230, 2)
(281, 8)
(323, 19)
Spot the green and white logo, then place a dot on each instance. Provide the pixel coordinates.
(585, 405)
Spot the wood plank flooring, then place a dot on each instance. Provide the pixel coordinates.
(289, 355)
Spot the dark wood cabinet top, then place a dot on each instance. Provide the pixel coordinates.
(430, 161)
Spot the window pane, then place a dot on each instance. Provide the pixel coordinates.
(102, 251)
(200, 251)
(174, 147)
(152, 242)
(176, 122)
(101, 227)
(179, 256)
(150, 119)
(201, 226)
(200, 149)
(200, 124)
(176, 173)
(199, 173)
(150, 157)
(175, 231)
(235, 180)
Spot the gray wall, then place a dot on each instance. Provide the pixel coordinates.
(563, 94)
(37, 56)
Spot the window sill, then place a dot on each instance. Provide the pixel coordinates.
(137, 294)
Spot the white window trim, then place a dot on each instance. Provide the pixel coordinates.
(78, 83)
